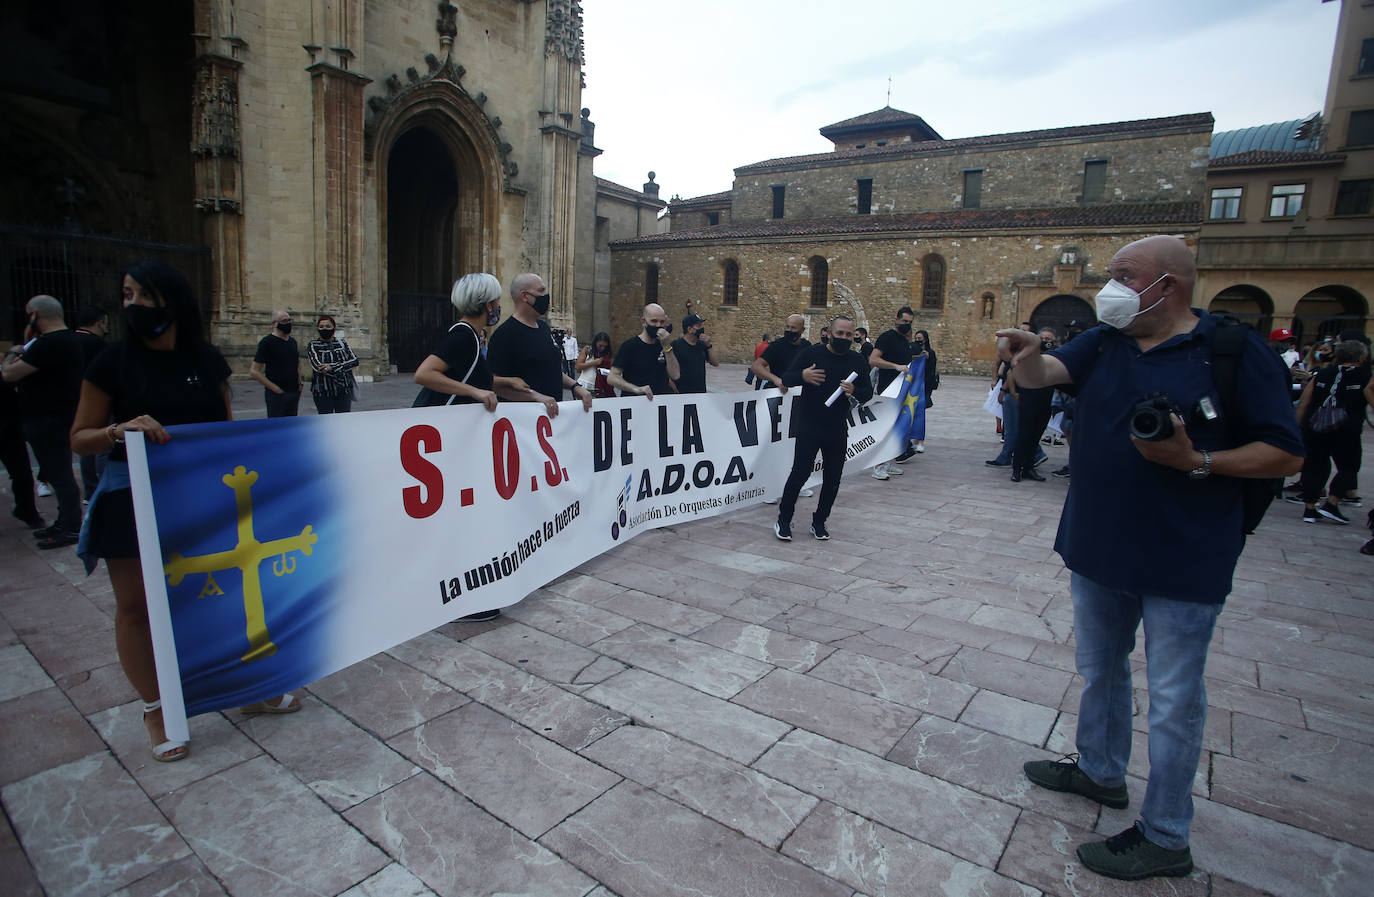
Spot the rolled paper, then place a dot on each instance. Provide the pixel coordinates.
(853, 375)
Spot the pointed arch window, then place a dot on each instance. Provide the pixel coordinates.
(933, 281)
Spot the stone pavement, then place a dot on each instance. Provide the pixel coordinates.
(705, 710)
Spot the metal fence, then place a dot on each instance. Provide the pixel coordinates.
(415, 322)
(82, 269)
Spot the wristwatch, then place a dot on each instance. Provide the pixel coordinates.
(1203, 472)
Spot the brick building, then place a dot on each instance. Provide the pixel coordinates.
(975, 233)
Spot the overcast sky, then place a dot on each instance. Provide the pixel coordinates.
(692, 90)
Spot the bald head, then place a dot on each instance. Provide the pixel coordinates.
(524, 282)
(45, 308)
(1163, 254)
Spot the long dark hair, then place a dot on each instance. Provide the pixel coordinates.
(602, 335)
(170, 287)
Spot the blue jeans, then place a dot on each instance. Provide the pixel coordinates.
(1177, 634)
(1011, 414)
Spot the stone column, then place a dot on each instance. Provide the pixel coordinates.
(562, 139)
(218, 167)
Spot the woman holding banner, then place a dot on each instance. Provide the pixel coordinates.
(161, 374)
(456, 372)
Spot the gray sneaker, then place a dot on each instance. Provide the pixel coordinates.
(1131, 856)
(1064, 775)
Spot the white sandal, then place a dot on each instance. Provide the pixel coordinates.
(287, 703)
(168, 751)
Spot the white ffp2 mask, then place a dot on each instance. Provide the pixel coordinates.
(1118, 305)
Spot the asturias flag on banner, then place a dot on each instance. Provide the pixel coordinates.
(911, 419)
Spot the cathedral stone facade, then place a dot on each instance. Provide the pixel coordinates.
(343, 157)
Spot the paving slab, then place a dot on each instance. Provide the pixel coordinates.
(455, 848)
(528, 782)
(679, 854)
(88, 829)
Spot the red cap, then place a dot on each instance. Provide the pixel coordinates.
(1280, 335)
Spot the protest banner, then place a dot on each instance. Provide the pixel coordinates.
(276, 552)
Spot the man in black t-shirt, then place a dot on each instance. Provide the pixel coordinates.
(523, 347)
(91, 327)
(777, 358)
(277, 366)
(890, 356)
(865, 345)
(48, 372)
(819, 371)
(644, 364)
(693, 351)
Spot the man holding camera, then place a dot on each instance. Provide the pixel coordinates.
(1151, 531)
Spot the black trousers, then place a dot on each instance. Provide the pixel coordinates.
(831, 447)
(15, 456)
(50, 439)
(1341, 448)
(340, 404)
(286, 404)
(1030, 425)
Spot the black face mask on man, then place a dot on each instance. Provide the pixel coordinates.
(792, 335)
(283, 326)
(904, 327)
(839, 344)
(541, 303)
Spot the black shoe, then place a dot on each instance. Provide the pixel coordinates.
(1030, 473)
(59, 539)
(32, 520)
(995, 463)
(905, 456)
(1061, 472)
(1015, 475)
(45, 532)
(1332, 513)
(1309, 515)
(1131, 856)
(1294, 497)
(482, 616)
(782, 530)
(1064, 775)
(819, 531)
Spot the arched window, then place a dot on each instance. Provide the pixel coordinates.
(650, 283)
(730, 281)
(820, 282)
(932, 281)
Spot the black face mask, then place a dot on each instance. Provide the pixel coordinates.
(791, 335)
(904, 327)
(327, 334)
(146, 322)
(494, 316)
(919, 344)
(839, 345)
(541, 303)
(284, 326)
(651, 331)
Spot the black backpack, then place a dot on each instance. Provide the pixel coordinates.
(1228, 345)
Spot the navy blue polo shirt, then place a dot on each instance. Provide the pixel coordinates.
(1142, 527)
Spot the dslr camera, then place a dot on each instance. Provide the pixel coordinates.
(1151, 418)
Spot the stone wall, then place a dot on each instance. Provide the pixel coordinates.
(1024, 175)
(869, 278)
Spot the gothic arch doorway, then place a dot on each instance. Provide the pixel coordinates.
(1057, 312)
(423, 244)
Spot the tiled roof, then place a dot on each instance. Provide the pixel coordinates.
(884, 119)
(710, 199)
(1257, 158)
(1078, 216)
(628, 192)
(1200, 121)
(1274, 136)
